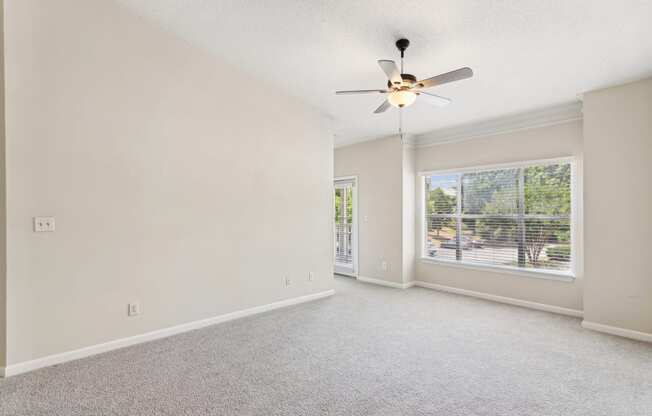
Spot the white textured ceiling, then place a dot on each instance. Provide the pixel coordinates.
(526, 54)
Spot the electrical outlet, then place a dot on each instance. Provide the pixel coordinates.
(44, 224)
(384, 265)
(311, 276)
(133, 309)
(288, 282)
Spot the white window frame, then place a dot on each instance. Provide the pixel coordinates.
(354, 226)
(575, 221)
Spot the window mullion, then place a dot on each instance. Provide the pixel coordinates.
(521, 218)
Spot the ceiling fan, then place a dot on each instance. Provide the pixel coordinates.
(402, 89)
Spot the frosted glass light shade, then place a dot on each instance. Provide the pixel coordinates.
(401, 98)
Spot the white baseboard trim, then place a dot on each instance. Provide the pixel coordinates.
(481, 295)
(621, 332)
(385, 282)
(346, 274)
(502, 299)
(27, 366)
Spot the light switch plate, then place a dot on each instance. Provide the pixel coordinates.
(44, 224)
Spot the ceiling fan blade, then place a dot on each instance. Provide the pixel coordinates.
(391, 70)
(458, 74)
(382, 108)
(434, 99)
(360, 92)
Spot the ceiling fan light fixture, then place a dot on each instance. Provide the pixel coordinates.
(402, 88)
(401, 98)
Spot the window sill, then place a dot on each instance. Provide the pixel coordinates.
(538, 274)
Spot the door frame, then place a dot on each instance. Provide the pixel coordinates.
(354, 225)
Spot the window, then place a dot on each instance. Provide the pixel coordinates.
(510, 217)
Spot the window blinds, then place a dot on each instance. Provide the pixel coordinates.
(515, 217)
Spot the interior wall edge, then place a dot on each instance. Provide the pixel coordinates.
(3, 200)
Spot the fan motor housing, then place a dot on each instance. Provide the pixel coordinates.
(408, 80)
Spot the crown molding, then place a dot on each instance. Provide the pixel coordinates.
(548, 116)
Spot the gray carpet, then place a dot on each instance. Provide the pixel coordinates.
(368, 350)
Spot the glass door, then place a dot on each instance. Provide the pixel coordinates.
(345, 226)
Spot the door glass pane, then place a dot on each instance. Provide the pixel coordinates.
(344, 225)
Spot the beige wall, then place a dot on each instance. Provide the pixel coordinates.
(170, 185)
(408, 214)
(541, 143)
(3, 205)
(378, 166)
(618, 173)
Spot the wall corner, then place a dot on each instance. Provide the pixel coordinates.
(408, 212)
(3, 202)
